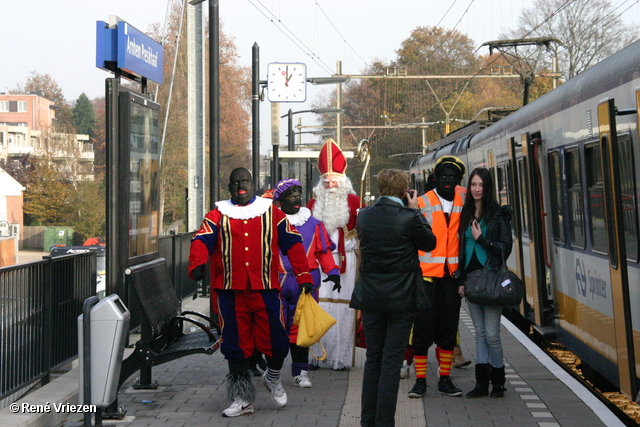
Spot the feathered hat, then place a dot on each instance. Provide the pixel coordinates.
(331, 160)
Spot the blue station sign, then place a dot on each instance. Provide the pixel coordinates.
(129, 50)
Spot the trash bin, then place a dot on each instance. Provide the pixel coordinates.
(109, 327)
(57, 236)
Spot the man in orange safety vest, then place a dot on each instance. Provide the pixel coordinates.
(441, 207)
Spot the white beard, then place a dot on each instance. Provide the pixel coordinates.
(332, 205)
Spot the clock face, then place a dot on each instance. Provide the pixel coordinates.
(287, 82)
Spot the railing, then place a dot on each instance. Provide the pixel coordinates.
(39, 306)
(40, 303)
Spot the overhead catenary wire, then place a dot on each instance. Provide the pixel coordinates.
(173, 73)
(340, 34)
(290, 35)
(492, 61)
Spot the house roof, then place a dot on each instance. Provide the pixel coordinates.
(9, 186)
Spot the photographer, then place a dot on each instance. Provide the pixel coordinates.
(390, 289)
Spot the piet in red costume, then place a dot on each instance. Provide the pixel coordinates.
(242, 238)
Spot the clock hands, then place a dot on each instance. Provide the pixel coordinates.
(287, 77)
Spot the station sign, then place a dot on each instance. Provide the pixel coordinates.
(125, 48)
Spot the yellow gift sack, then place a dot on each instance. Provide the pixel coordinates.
(313, 322)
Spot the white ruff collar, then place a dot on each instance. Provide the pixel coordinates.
(299, 218)
(257, 208)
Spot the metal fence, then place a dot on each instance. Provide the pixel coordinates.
(174, 248)
(39, 306)
(40, 303)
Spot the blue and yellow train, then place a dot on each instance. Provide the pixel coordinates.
(569, 165)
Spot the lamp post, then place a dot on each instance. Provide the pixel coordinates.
(214, 100)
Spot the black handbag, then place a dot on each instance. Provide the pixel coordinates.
(500, 288)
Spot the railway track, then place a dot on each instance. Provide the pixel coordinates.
(626, 409)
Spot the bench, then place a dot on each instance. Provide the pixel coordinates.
(161, 325)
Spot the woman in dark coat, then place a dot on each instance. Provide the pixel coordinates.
(485, 235)
(389, 290)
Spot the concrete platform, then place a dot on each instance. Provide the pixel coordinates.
(192, 393)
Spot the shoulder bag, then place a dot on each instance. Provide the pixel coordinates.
(500, 288)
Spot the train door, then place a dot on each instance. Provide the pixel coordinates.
(614, 224)
(533, 199)
(515, 199)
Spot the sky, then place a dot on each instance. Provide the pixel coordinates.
(58, 37)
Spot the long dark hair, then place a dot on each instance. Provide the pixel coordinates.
(489, 202)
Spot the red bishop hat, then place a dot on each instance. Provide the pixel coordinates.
(331, 160)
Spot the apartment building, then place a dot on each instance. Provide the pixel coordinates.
(28, 126)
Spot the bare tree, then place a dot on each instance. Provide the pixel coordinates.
(589, 30)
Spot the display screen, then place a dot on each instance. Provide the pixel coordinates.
(144, 182)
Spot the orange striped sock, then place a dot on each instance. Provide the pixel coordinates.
(438, 354)
(420, 364)
(446, 357)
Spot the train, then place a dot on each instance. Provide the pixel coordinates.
(568, 164)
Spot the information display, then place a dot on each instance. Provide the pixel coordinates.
(140, 143)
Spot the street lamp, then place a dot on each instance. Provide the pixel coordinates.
(214, 100)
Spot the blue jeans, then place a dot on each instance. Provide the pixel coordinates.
(486, 321)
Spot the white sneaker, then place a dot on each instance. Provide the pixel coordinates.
(278, 395)
(404, 371)
(237, 408)
(302, 380)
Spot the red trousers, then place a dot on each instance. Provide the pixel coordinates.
(251, 320)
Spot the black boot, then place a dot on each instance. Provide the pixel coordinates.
(482, 381)
(497, 380)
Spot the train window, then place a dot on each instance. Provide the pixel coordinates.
(628, 192)
(501, 187)
(525, 208)
(595, 192)
(555, 190)
(574, 188)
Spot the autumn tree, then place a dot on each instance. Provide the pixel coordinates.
(50, 90)
(88, 215)
(589, 30)
(410, 108)
(47, 197)
(18, 167)
(235, 101)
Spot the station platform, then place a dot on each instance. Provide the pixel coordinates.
(192, 393)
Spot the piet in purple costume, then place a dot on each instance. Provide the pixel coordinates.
(318, 248)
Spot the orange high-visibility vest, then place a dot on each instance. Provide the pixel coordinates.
(447, 245)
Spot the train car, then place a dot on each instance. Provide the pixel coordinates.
(569, 165)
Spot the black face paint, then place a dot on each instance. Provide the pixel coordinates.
(291, 204)
(447, 181)
(241, 187)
